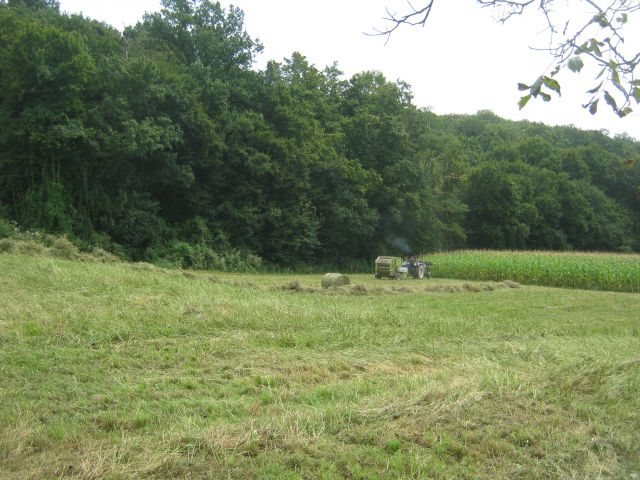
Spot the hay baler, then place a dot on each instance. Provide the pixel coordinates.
(396, 268)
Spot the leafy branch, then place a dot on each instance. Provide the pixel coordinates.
(574, 41)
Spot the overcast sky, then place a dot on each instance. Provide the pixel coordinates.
(461, 62)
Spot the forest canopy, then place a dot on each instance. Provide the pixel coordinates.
(163, 143)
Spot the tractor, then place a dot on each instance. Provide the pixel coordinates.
(397, 268)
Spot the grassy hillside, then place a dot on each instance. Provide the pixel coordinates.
(124, 371)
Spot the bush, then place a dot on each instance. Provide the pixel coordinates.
(236, 261)
(7, 245)
(6, 229)
(201, 257)
(63, 248)
(25, 247)
(177, 254)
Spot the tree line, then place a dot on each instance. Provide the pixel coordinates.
(162, 143)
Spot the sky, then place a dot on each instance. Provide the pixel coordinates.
(462, 61)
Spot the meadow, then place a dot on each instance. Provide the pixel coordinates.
(126, 371)
(593, 271)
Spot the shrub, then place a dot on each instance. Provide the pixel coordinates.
(6, 229)
(63, 248)
(201, 257)
(7, 245)
(25, 247)
(101, 255)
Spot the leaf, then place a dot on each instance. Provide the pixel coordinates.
(522, 86)
(552, 84)
(582, 48)
(610, 100)
(624, 112)
(545, 96)
(601, 20)
(604, 69)
(593, 108)
(615, 76)
(621, 88)
(595, 48)
(535, 88)
(622, 18)
(575, 64)
(636, 94)
(523, 101)
(595, 89)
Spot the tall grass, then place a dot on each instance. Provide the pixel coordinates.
(591, 271)
(126, 371)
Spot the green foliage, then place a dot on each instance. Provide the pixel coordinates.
(495, 209)
(523, 101)
(575, 64)
(6, 228)
(162, 144)
(32, 4)
(201, 257)
(48, 207)
(13, 239)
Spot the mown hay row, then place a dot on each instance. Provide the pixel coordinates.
(359, 289)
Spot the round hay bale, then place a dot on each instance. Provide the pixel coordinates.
(334, 280)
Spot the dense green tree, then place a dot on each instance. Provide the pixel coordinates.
(163, 143)
(33, 4)
(46, 72)
(495, 209)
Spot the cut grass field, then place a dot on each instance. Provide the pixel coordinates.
(592, 271)
(122, 371)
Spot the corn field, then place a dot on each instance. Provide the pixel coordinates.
(592, 271)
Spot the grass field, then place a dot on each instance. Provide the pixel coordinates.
(592, 271)
(119, 371)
